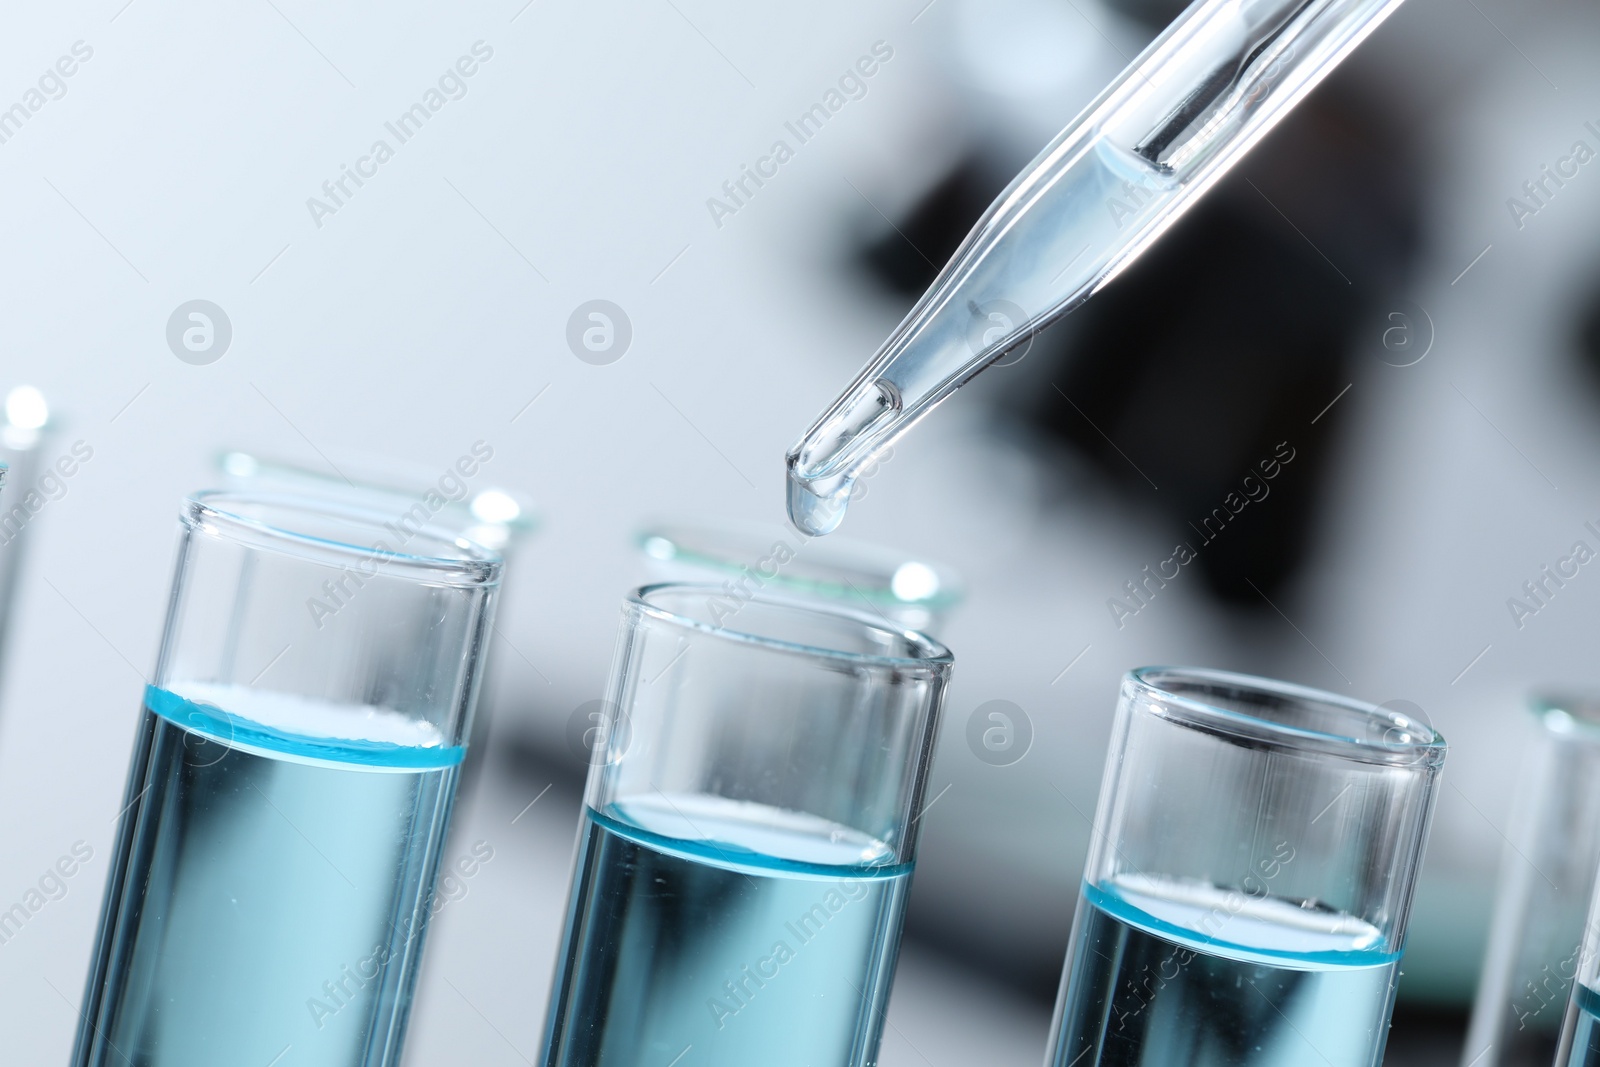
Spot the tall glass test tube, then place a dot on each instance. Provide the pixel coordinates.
(749, 833)
(1245, 898)
(293, 773)
(1547, 877)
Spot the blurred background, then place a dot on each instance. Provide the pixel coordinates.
(1378, 292)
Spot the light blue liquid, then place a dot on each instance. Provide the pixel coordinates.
(269, 887)
(1170, 974)
(1586, 1033)
(705, 932)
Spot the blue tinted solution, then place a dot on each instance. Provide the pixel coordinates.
(705, 932)
(1586, 1032)
(268, 891)
(1183, 974)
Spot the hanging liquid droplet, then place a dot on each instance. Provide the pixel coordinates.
(812, 513)
(816, 511)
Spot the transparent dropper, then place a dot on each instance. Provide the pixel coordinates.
(1193, 102)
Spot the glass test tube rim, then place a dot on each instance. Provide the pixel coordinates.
(930, 655)
(454, 560)
(699, 544)
(1418, 744)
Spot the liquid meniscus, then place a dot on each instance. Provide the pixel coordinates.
(718, 933)
(1164, 972)
(270, 883)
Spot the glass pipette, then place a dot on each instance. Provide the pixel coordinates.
(1188, 108)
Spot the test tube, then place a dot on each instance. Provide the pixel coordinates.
(1547, 877)
(293, 772)
(749, 832)
(1580, 1032)
(909, 591)
(1248, 881)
